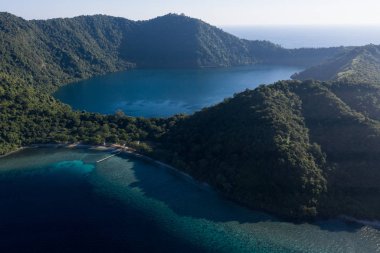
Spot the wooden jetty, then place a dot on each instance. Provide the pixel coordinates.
(108, 157)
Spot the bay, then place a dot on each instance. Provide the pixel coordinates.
(298, 36)
(61, 200)
(166, 92)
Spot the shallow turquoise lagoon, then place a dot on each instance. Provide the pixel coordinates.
(61, 200)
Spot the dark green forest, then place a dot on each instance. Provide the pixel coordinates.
(29, 116)
(49, 53)
(295, 149)
(360, 64)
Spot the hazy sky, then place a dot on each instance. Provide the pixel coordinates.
(217, 12)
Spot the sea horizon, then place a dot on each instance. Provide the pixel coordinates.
(316, 36)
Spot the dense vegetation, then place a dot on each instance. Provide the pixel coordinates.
(360, 64)
(28, 116)
(295, 149)
(54, 52)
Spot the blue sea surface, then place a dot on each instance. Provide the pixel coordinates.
(61, 200)
(165, 92)
(298, 36)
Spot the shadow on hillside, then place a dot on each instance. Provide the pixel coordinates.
(189, 198)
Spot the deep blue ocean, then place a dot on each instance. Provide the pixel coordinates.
(61, 200)
(309, 36)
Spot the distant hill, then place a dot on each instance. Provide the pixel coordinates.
(360, 64)
(180, 41)
(58, 51)
(294, 149)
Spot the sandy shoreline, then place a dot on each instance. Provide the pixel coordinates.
(112, 147)
(374, 223)
(132, 152)
(71, 146)
(13, 152)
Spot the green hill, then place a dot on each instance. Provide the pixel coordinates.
(294, 149)
(360, 64)
(180, 41)
(29, 116)
(56, 51)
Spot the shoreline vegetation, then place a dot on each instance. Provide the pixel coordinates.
(132, 152)
(71, 49)
(293, 149)
(110, 147)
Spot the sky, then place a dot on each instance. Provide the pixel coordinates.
(216, 12)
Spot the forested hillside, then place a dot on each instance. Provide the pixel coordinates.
(53, 52)
(295, 149)
(28, 116)
(180, 41)
(360, 64)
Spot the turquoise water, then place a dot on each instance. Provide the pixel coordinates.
(54, 199)
(165, 92)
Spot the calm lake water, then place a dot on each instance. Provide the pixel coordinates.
(60, 200)
(165, 92)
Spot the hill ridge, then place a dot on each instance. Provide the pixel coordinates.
(63, 50)
(296, 149)
(359, 64)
